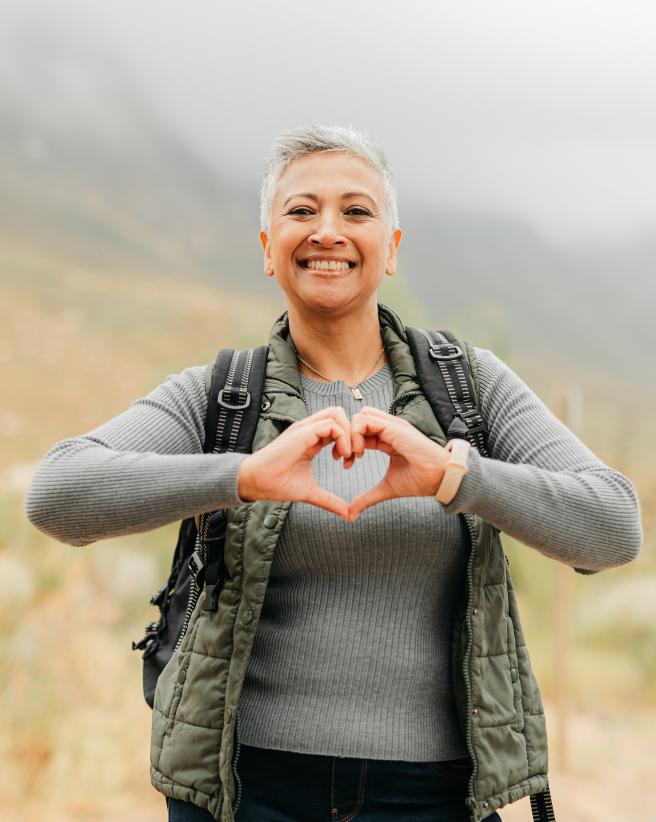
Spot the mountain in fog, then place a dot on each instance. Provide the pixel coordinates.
(591, 302)
(90, 173)
(92, 177)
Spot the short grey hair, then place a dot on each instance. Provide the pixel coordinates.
(303, 140)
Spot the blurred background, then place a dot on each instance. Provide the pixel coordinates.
(132, 138)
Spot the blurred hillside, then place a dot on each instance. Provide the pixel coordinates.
(90, 174)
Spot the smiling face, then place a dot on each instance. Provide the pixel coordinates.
(330, 243)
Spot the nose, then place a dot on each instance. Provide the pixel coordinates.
(327, 231)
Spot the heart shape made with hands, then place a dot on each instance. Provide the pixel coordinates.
(282, 470)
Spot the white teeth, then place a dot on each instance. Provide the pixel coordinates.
(327, 265)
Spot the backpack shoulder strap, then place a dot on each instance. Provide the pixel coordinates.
(234, 387)
(449, 378)
(234, 392)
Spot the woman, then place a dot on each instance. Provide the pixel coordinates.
(358, 667)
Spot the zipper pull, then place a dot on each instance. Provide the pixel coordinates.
(197, 568)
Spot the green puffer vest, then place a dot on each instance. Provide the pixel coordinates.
(195, 734)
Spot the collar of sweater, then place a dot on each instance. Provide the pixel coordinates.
(282, 371)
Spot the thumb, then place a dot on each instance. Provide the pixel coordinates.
(330, 502)
(371, 496)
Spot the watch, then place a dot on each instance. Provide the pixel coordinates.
(454, 470)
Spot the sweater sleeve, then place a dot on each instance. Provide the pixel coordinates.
(542, 485)
(140, 470)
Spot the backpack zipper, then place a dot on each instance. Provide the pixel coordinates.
(194, 589)
(194, 593)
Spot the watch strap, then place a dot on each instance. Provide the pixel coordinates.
(454, 470)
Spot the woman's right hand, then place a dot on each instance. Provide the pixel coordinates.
(282, 470)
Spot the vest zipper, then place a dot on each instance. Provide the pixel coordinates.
(288, 391)
(235, 757)
(414, 393)
(467, 654)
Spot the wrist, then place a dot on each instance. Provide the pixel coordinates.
(245, 489)
(441, 461)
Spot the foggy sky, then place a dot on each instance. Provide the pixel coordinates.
(541, 110)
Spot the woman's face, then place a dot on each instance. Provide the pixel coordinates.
(330, 242)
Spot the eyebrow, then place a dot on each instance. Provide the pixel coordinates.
(345, 196)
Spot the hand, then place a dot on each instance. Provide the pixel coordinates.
(282, 470)
(416, 464)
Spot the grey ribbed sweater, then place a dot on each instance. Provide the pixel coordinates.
(350, 656)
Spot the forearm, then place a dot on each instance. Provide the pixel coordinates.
(83, 491)
(543, 486)
(588, 520)
(138, 471)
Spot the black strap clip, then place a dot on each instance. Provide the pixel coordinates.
(472, 420)
(212, 592)
(149, 643)
(446, 351)
(234, 406)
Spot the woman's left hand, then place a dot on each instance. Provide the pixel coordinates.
(416, 462)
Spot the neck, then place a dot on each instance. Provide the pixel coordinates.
(341, 347)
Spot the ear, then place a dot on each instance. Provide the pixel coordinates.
(266, 246)
(395, 239)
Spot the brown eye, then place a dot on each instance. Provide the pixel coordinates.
(301, 211)
(358, 211)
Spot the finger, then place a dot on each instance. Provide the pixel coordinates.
(325, 431)
(375, 443)
(348, 461)
(363, 426)
(333, 412)
(371, 442)
(369, 410)
(357, 443)
(342, 437)
(371, 496)
(328, 501)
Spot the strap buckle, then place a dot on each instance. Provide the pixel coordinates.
(159, 597)
(473, 421)
(233, 406)
(454, 352)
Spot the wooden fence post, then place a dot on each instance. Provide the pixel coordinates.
(571, 413)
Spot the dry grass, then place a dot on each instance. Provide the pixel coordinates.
(78, 347)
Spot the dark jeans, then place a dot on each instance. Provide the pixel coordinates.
(280, 786)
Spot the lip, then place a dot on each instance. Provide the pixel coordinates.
(328, 275)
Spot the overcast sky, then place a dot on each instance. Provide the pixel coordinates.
(541, 110)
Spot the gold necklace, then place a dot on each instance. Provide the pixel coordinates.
(357, 394)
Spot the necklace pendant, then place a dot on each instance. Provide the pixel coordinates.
(357, 394)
